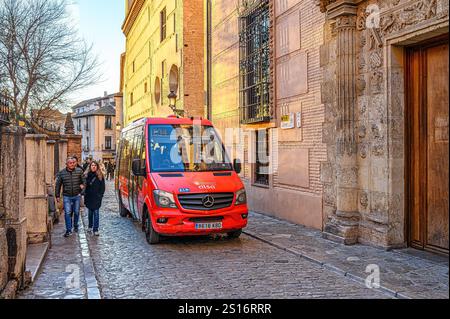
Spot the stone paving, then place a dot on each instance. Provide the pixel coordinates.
(406, 272)
(126, 267)
(61, 275)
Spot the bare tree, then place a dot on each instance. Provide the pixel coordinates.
(42, 58)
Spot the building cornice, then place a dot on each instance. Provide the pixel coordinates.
(132, 15)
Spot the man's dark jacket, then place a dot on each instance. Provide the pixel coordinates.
(70, 181)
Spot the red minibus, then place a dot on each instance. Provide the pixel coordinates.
(175, 177)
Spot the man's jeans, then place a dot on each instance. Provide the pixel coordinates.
(94, 219)
(72, 204)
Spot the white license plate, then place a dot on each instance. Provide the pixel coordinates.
(208, 226)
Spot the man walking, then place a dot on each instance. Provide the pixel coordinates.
(73, 182)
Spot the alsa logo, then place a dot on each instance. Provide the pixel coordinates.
(207, 187)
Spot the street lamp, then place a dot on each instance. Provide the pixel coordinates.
(172, 104)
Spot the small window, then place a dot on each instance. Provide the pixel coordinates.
(163, 24)
(131, 99)
(108, 142)
(174, 23)
(262, 157)
(145, 87)
(134, 66)
(108, 123)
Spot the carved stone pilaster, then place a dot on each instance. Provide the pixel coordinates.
(343, 225)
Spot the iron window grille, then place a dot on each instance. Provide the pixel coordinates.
(254, 56)
(163, 24)
(108, 142)
(108, 123)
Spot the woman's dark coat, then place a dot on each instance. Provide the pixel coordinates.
(95, 190)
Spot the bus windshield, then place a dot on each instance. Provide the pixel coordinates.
(186, 148)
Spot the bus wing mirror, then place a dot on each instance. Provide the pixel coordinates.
(138, 168)
(237, 166)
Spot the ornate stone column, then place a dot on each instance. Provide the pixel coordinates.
(343, 226)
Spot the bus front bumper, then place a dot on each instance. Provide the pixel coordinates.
(178, 223)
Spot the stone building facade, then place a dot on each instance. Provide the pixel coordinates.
(164, 53)
(373, 184)
(344, 88)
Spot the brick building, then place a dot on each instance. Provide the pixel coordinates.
(266, 80)
(164, 53)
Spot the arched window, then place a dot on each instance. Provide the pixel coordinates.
(157, 90)
(173, 79)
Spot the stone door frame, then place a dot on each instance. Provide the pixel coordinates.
(395, 52)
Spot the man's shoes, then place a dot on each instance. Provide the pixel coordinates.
(89, 230)
(96, 234)
(68, 234)
(76, 230)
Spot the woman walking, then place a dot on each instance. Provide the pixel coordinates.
(95, 189)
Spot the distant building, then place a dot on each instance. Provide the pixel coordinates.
(50, 119)
(95, 120)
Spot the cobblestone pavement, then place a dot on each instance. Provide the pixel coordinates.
(267, 262)
(127, 267)
(408, 273)
(58, 278)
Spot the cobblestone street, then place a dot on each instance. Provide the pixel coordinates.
(127, 267)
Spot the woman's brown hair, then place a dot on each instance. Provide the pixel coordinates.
(99, 172)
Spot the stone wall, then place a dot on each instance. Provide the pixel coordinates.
(36, 190)
(363, 70)
(13, 222)
(193, 58)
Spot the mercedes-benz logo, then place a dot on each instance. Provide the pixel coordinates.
(208, 201)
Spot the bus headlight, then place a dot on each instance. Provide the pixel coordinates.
(241, 197)
(164, 199)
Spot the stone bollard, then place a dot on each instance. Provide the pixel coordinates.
(36, 204)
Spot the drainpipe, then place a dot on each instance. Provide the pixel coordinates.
(209, 57)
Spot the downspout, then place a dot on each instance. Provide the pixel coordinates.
(209, 58)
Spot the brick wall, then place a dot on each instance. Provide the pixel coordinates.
(193, 57)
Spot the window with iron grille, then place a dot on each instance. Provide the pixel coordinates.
(163, 24)
(262, 157)
(108, 123)
(108, 142)
(254, 55)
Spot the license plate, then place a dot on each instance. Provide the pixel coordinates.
(208, 226)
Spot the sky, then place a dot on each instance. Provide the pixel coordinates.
(99, 23)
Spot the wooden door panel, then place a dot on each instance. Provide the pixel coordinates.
(414, 107)
(428, 159)
(437, 147)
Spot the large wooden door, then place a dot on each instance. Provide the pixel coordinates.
(427, 106)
